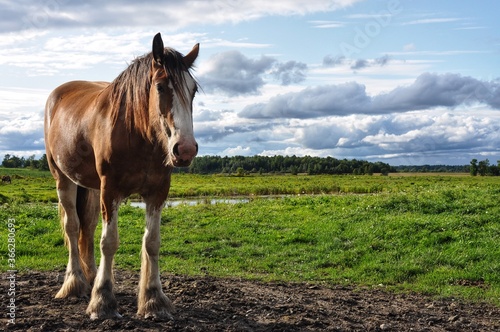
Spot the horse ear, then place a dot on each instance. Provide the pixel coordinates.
(191, 56)
(158, 48)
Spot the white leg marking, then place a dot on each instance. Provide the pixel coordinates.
(152, 302)
(103, 303)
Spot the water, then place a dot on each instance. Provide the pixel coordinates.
(196, 201)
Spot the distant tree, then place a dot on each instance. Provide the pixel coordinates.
(13, 161)
(6, 159)
(494, 170)
(483, 167)
(473, 167)
(240, 171)
(43, 164)
(31, 162)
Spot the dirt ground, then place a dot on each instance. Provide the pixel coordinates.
(214, 304)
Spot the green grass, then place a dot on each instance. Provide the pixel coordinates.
(38, 186)
(434, 235)
(27, 186)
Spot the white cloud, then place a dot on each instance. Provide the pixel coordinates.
(327, 24)
(23, 133)
(237, 151)
(172, 14)
(51, 54)
(232, 73)
(16, 101)
(426, 92)
(409, 47)
(218, 42)
(297, 151)
(410, 138)
(433, 20)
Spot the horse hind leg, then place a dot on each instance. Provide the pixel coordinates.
(75, 283)
(88, 213)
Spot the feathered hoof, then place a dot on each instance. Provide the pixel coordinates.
(105, 315)
(159, 316)
(75, 284)
(158, 307)
(103, 304)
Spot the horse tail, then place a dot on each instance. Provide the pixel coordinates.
(87, 208)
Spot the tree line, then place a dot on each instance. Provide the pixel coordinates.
(241, 165)
(12, 161)
(285, 164)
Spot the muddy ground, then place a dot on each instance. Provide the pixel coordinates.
(214, 304)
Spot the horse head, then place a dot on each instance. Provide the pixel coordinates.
(171, 102)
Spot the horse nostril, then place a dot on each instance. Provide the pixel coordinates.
(196, 147)
(176, 149)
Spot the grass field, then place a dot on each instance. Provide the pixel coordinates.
(436, 235)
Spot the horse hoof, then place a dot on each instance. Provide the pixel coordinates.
(159, 316)
(112, 315)
(75, 285)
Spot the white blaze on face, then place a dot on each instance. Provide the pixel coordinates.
(182, 143)
(182, 114)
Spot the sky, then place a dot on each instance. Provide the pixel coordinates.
(404, 82)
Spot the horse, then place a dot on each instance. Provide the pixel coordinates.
(6, 179)
(105, 141)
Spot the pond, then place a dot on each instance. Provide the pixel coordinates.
(196, 201)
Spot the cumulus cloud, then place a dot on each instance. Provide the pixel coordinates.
(24, 133)
(290, 72)
(215, 131)
(382, 61)
(432, 90)
(233, 73)
(332, 61)
(313, 102)
(410, 137)
(237, 151)
(445, 133)
(364, 63)
(359, 64)
(428, 91)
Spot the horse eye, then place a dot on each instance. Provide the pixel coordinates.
(160, 88)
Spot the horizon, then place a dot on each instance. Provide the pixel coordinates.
(284, 156)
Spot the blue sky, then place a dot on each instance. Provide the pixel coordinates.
(398, 81)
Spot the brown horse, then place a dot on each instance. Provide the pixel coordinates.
(105, 141)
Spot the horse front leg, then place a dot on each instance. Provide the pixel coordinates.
(103, 302)
(152, 302)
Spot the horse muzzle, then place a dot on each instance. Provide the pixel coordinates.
(183, 153)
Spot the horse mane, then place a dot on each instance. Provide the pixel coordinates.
(130, 90)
